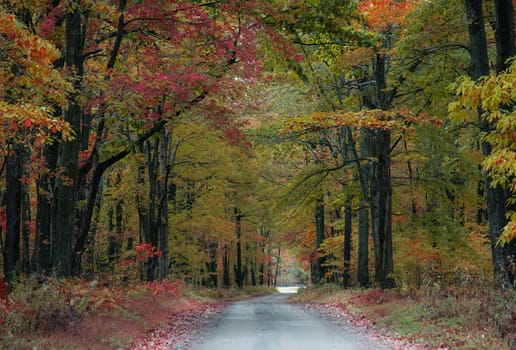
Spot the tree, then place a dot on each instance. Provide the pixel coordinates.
(496, 195)
(30, 87)
(383, 19)
(103, 49)
(491, 95)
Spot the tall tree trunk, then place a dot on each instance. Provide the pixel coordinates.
(26, 228)
(346, 275)
(46, 212)
(68, 155)
(381, 209)
(269, 272)
(253, 267)
(363, 212)
(116, 232)
(318, 271)
(261, 274)
(334, 272)
(14, 172)
(479, 65)
(506, 49)
(496, 196)
(2, 219)
(211, 264)
(141, 204)
(381, 187)
(225, 266)
(348, 152)
(262, 250)
(238, 230)
(151, 235)
(504, 33)
(162, 197)
(363, 246)
(412, 183)
(278, 263)
(88, 190)
(111, 236)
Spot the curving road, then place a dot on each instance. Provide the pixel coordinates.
(270, 323)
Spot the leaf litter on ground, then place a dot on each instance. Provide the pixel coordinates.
(181, 328)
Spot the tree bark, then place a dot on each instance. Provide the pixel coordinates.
(115, 232)
(318, 270)
(225, 266)
(278, 263)
(506, 49)
(150, 236)
(261, 274)
(479, 65)
(254, 266)
(14, 172)
(381, 187)
(363, 246)
(363, 212)
(25, 227)
(68, 154)
(46, 212)
(162, 198)
(496, 196)
(346, 275)
(381, 209)
(261, 250)
(504, 33)
(238, 230)
(211, 264)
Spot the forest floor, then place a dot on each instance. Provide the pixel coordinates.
(454, 318)
(83, 315)
(78, 315)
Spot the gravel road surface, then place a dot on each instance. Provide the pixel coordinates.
(271, 323)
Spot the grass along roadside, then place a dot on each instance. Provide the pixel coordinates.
(453, 318)
(76, 314)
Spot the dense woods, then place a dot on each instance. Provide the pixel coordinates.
(232, 143)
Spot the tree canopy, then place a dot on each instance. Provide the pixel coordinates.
(367, 141)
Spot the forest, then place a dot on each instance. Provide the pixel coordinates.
(225, 144)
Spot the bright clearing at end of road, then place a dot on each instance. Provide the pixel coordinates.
(292, 290)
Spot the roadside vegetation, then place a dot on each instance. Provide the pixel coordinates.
(467, 317)
(74, 314)
(229, 144)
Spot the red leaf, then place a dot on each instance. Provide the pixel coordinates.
(27, 123)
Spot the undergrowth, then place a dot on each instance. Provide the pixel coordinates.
(78, 314)
(451, 318)
(230, 294)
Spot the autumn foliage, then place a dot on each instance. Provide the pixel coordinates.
(29, 86)
(147, 145)
(379, 14)
(491, 95)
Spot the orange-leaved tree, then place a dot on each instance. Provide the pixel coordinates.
(31, 90)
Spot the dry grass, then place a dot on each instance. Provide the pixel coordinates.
(96, 317)
(451, 319)
(114, 328)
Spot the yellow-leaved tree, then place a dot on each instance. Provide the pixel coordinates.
(30, 91)
(494, 95)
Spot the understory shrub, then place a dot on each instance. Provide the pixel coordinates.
(39, 307)
(498, 310)
(482, 308)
